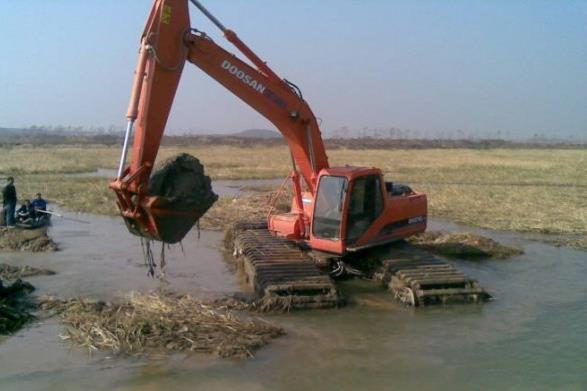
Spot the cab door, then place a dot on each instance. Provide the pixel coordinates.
(328, 214)
(365, 206)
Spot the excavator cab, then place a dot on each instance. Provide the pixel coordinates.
(353, 210)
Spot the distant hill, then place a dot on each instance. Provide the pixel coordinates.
(257, 133)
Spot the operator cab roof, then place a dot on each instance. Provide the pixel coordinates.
(350, 171)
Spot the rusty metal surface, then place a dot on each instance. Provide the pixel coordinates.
(278, 269)
(427, 280)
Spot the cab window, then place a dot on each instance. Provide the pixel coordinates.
(366, 204)
(328, 209)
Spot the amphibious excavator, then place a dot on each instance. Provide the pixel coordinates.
(335, 211)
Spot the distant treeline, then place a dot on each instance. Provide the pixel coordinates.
(41, 137)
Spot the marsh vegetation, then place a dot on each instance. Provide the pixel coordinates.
(144, 323)
(542, 191)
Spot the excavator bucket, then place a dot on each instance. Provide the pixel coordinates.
(179, 193)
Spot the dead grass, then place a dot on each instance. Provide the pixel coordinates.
(33, 240)
(561, 213)
(525, 190)
(463, 245)
(79, 194)
(27, 160)
(12, 272)
(249, 207)
(228, 210)
(156, 322)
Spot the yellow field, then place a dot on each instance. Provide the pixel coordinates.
(529, 190)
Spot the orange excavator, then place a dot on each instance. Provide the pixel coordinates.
(334, 210)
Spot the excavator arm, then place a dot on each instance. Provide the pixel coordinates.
(168, 41)
(270, 96)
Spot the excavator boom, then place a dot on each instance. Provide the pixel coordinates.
(354, 208)
(271, 97)
(167, 42)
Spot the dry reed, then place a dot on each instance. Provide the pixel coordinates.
(155, 322)
(463, 245)
(526, 190)
(33, 240)
(12, 272)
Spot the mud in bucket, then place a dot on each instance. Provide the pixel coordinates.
(183, 193)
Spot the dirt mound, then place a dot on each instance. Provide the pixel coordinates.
(463, 245)
(10, 272)
(33, 240)
(14, 306)
(181, 181)
(147, 322)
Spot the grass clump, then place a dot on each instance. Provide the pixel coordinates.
(11, 272)
(15, 306)
(463, 245)
(157, 322)
(33, 240)
(228, 210)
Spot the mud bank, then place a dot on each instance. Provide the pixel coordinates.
(15, 306)
(463, 245)
(32, 240)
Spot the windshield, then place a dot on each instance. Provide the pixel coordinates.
(328, 209)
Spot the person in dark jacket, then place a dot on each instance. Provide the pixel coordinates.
(9, 201)
(26, 212)
(39, 204)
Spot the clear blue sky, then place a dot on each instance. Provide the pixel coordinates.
(515, 66)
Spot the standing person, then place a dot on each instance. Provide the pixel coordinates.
(9, 196)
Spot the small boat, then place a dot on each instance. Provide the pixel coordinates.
(38, 222)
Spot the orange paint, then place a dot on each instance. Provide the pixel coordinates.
(166, 44)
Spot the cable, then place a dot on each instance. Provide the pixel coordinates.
(151, 49)
(294, 88)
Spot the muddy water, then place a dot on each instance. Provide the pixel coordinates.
(531, 337)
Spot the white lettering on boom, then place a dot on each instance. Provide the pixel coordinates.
(243, 76)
